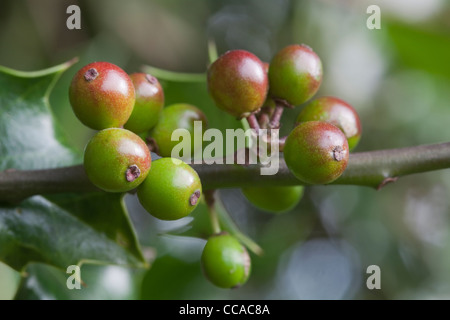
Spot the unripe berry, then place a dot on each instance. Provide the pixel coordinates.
(225, 262)
(316, 152)
(336, 112)
(238, 83)
(295, 74)
(176, 116)
(116, 160)
(149, 103)
(171, 191)
(102, 95)
(276, 199)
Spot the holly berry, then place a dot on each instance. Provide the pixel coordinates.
(176, 116)
(316, 152)
(171, 191)
(295, 74)
(116, 160)
(336, 112)
(149, 103)
(238, 83)
(274, 199)
(225, 262)
(102, 95)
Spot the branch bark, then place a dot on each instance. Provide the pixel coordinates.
(372, 169)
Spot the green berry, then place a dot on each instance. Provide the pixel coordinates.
(336, 112)
(238, 83)
(171, 191)
(149, 103)
(176, 116)
(225, 262)
(117, 160)
(316, 152)
(274, 199)
(295, 74)
(102, 95)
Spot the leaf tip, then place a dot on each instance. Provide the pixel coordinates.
(71, 62)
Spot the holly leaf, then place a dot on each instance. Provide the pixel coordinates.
(29, 137)
(61, 230)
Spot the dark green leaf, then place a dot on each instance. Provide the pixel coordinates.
(421, 49)
(106, 213)
(40, 231)
(169, 279)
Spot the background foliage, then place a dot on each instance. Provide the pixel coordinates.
(397, 78)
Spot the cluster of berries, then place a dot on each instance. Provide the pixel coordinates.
(117, 159)
(327, 128)
(125, 107)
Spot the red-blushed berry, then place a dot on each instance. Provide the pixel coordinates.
(338, 113)
(102, 95)
(117, 160)
(295, 74)
(149, 103)
(316, 152)
(238, 83)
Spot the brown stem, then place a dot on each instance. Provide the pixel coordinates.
(16, 185)
(373, 169)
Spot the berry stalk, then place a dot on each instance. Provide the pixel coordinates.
(276, 117)
(210, 202)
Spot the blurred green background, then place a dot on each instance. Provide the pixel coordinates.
(397, 78)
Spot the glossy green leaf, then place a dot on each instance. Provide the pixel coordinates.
(29, 139)
(39, 230)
